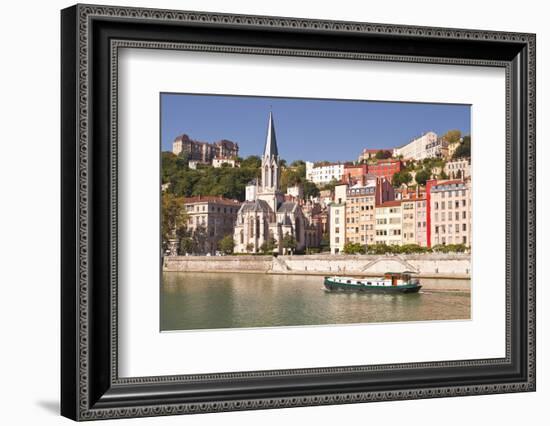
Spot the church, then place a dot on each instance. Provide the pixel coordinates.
(266, 216)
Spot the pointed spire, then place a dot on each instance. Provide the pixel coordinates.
(271, 141)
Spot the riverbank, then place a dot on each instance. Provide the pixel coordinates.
(427, 265)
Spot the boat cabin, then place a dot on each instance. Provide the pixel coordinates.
(394, 277)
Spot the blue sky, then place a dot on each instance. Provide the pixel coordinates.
(306, 129)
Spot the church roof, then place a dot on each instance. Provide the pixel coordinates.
(287, 207)
(271, 141)
(255, 206)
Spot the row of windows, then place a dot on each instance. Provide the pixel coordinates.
(450, 240)
(450, 216)
(449, 204)
(354, 200)
(362, 218)
(441, 229)
(390, 232)
(445, 191)
(363, 208)
(213, 209)
(457, 166)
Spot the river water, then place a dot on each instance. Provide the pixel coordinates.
(191, 301)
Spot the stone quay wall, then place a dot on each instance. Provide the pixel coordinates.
(428, 265)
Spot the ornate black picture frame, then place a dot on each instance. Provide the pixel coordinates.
(91, 387)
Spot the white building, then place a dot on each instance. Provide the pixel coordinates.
(337, 218)
(324, 174)
(219, 162)
(296, 191)
(425, 146)
(458, 169)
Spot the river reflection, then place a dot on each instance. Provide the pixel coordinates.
(192, 301)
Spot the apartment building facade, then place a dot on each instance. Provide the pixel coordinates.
(450, 210)
(209, 220)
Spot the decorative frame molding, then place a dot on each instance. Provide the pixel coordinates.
(91, 37)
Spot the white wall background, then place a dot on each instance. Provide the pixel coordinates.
(29, 211)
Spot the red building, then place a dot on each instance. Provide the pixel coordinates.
(354, 173)
(382, 168)
(385, 168)
(429, 185)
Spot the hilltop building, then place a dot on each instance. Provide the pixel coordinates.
(458, 169)
(419, 148)
(324, 173)
(204, 152)
(368, 154)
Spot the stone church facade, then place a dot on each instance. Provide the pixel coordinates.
(265, 215)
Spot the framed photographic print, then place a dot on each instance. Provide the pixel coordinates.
(263, 212)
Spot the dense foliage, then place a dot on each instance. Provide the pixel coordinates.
(357, 248)
(227, 181)
(400, 178)
(174, 217)
(354, 248)
(227, 244)
(464, 149)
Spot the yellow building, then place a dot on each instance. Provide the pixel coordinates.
(360, 206)
(389, 221)
(414, 221)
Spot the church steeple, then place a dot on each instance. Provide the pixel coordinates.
(271, 141)
(270, 160)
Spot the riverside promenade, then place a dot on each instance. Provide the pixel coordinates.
(427, 265)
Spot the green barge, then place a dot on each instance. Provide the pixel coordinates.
(392, 282)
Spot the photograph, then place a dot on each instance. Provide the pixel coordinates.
(271, 208)
(279, 212)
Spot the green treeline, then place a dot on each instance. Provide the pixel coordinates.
(226, 181)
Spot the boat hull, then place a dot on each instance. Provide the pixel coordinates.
(362, 288)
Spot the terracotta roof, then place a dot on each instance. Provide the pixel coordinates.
(211, 199)
(391, 203)
(448, 182)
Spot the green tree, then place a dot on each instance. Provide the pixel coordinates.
(174, 216)
(310, 190)
(187, 245)
(199, 239)
(182, 159)
(443, 175)
(269, 245)
(464, 149)
(354, 248)
(383, 154)
(249, 247)
(382, 249)
(400, 178)
(422, 176)
(325, 242)
(330, 186)
(252, 161)
(289, 242)
(298, 163)
(453, 136)
(227, 244)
